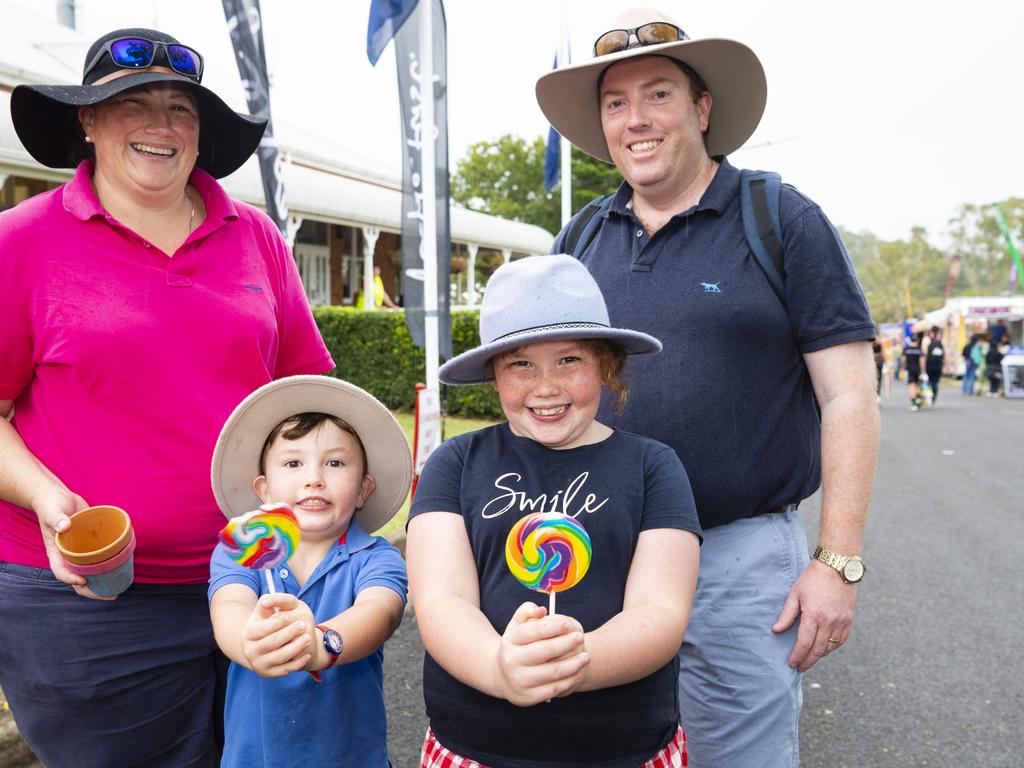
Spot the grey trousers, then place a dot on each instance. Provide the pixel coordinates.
(739, 701)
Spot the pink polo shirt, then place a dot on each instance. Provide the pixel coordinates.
(123, 363)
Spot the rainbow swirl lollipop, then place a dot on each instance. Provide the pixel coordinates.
(548, 552)
(264, 538)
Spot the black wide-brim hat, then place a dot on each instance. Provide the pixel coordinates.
(46, 116)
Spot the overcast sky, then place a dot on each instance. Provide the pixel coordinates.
(889, 114)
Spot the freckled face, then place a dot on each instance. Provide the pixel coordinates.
(550, 392)
(320, 476)
(146, 139)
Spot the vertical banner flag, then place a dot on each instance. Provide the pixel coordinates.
(246, 29)
(952, 274)
(412, 91)
(1018, 269)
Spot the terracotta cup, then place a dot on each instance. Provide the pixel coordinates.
(100, 545)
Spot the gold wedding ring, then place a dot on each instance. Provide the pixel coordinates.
(833, 641)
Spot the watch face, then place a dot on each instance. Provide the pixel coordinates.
(333, 642)
(853, 571)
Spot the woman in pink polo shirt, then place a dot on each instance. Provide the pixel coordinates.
(138, 305)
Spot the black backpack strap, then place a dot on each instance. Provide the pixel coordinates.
(759, 209)
(584, 225)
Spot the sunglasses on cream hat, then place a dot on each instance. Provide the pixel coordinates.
(569, 99)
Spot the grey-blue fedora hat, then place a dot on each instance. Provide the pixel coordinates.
(540, 298)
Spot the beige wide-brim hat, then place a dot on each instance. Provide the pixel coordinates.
(731, 71)
(236, 457)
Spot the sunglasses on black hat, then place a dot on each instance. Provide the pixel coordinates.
(140, 52)
(651, 33)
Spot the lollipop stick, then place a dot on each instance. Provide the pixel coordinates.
(551, 603)
(270, 581)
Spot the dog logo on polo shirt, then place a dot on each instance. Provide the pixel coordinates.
(711, 287)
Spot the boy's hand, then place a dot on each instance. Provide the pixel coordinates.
(279, 636)
(540, 657)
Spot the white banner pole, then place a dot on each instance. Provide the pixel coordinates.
(429, 170)
(565, 148)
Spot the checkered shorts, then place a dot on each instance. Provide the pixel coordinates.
(436, 756)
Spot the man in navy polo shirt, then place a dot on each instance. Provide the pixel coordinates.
(738, 386)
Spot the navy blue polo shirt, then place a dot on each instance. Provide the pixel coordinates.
(730, 391)
(294, 720)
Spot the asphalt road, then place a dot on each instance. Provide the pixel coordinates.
(932, 674)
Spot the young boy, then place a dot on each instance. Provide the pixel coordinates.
(305, 686)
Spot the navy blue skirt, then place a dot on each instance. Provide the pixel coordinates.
(133, 682)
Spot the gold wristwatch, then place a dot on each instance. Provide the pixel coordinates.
(850, 567)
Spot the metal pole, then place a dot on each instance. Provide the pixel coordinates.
(565, 148)
(429, 170)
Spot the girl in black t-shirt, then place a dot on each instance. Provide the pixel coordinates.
(507, 685)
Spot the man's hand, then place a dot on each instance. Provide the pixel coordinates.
(540, 657)
(824, 603)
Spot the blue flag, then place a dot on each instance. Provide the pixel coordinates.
(552, 160)
(553, 155)
(386, 18)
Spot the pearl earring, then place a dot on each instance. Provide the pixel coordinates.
(88, 139)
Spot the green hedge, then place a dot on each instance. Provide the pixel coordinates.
(374, 351)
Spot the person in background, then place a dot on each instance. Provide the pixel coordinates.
(737, 387)
(997, 332)
(140, 305)
(978, 355)
(934, 359)
(878, 355)
(380, 296)
(888, 365)
(994, 365)
(970, 367)
(912, 356)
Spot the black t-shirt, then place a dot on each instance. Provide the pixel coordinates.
(617, 488)
(912, 357)
(936, 355)
(729, 391)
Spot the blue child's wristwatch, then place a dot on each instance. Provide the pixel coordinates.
(333, 644)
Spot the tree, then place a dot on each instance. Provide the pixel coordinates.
(862, 247)
(506, 178)
(985, 258)
(902, 266)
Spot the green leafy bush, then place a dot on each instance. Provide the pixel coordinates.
(373, 350)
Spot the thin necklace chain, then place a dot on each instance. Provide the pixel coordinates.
(192, 215)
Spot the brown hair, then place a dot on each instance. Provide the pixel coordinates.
(695, 81)
(611, 361)
(301, 425)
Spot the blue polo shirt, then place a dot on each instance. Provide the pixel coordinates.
(729, 391)
(293, 720)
